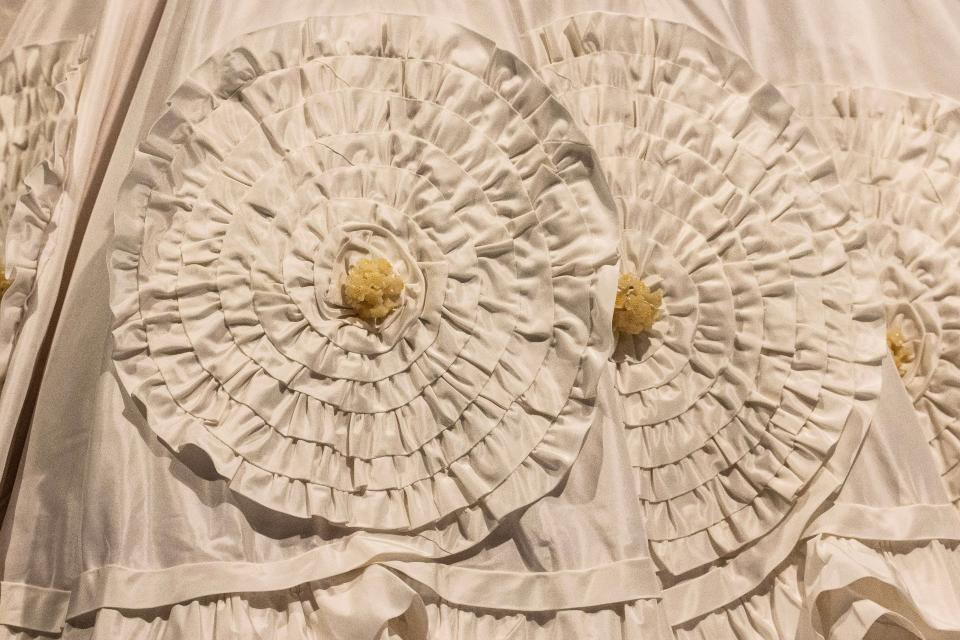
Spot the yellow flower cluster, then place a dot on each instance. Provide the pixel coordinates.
(636, 307)
(900, 348)
(371, 289)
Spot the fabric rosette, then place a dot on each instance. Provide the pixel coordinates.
(899, 158)
(304, 148)
(746, 402)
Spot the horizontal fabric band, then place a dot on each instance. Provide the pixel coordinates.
(909, 522)
(37, 608)
(624, 581)
(117, 587)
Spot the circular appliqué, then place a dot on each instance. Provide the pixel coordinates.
(767, 354)
(899, 158)
(288, 157)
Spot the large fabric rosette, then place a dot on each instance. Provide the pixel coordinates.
(899, 158)
(745, 404)
(293, 154)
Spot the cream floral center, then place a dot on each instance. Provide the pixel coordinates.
(372, 289)
(636, 307)
(899, 347)
(4, 283)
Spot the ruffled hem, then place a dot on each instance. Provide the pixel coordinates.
(54, 71)
(782, 362)
(396, 596)
(484, 400)
(851, 586)
(837, 588)
(122, 587)
(293, 616)
(771, 609)
(899, 158)
(843, 589)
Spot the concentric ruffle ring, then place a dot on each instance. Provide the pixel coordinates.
(767, 356)
(303, 146)
(899, 158)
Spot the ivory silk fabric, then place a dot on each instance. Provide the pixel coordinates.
(202, 441)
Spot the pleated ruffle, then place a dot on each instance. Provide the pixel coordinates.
(745, 405)
(39, 88)
(899, 157)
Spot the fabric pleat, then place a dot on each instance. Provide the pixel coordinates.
(847, 589)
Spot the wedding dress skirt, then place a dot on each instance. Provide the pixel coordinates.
(203, 441)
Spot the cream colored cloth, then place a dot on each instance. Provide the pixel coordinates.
(201, 464)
